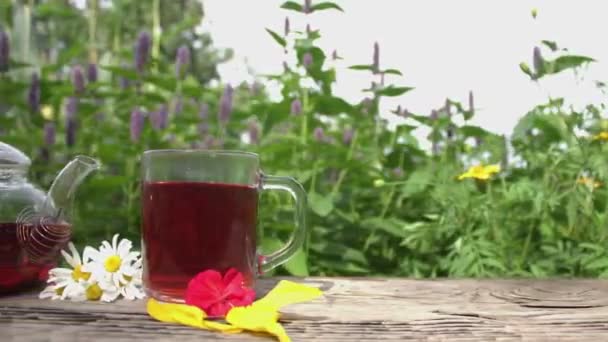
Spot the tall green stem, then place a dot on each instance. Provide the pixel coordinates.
(93, 8)
(156, 30)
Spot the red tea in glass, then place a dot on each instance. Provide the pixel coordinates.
(199, 212)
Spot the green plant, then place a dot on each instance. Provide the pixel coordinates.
(380, 204)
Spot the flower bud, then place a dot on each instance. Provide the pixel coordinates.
(347, 136)
(182, 61)
(160, 119)
(287, 26)
(296, 107)
(4, 51)
(92, 72)
(471, 102)
(226, 105)
(307, 60)
(319, 134)
(33, 94)
(137, 124)
(307, 6)
(376, 59)
(78, 79)
(538, 61)
(142, 51)
(71, 108)
(49, 133)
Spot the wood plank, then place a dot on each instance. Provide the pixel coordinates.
(352, 309)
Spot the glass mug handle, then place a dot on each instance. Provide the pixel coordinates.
(295, 189)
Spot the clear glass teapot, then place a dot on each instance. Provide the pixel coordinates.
(34, 225)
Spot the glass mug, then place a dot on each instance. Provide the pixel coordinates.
(199, 212)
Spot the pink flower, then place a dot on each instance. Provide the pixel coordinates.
(216, 295)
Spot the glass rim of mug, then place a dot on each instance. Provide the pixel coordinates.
(205, 152)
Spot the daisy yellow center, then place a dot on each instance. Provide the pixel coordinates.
(93, 292)
(112, 263)
(59, 290)
(78, 274)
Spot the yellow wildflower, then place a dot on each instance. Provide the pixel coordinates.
(480, 172)
(590, 182)
(47, 112)
(601, 136)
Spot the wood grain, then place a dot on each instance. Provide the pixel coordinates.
(365, 309)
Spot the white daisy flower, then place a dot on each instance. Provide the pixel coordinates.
(112, 264)
(132, 289)
(66, 283)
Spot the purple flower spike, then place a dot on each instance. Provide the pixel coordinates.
(434, 115)
(71, 108)
(49, 133)
(160, 118)
(347, 136)
(471, 102)
(287, 26)
(203, 112)
(254, 132)
(137, 124)
(78, 79)
(182, 61)
(376, 59)
(307, 60)
(226, 105)
(307, 6)
(5, 47)
(319, 134)
(178, 107)
(33, 94)
(142, 51)
(296, 107)
(92, 72)
(538, 61)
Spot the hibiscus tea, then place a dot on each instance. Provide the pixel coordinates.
(190, 227)
(25, 262)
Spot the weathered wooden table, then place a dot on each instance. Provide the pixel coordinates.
(352, 310)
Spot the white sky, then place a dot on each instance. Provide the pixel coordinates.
(444, 48)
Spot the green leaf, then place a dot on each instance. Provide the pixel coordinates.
(55, 9)
(362, 67)
(568, 62)
(320, 205)
(393, 91)
(291, 5)
(550, 44)
(325, 6)
(297, 264)
(597, 264)
(417, 182)
(277, 38)
(393, 227)
(393, 72)
(332, 105)
(526, 69)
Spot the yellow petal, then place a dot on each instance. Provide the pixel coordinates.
(492, 168)
(257, 317)
(288, 292)
(186, 315)
(225, 328)
(159, 311)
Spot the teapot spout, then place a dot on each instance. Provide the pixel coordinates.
(60, 196)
